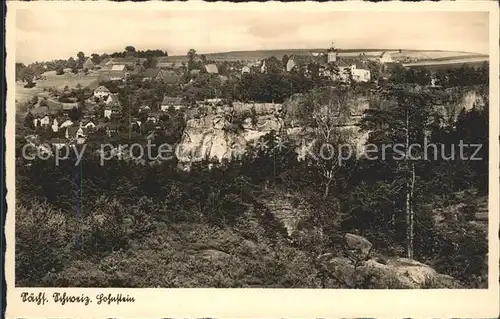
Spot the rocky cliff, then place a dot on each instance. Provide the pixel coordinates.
(225, 132)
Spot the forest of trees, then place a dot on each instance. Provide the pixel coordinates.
(129, 225)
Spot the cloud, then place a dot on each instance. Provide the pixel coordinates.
(62, 33)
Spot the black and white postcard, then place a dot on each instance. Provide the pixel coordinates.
(278, 160)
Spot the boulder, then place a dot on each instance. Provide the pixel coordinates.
(397, 273)
(357, 247)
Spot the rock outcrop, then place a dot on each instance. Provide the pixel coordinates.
(357, 270)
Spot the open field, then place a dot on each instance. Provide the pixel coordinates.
(55, 81)
(471, 61)
(70, 80)
(23, 94)
(262, 54)
(433, 54)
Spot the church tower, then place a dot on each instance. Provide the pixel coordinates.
(332, 54)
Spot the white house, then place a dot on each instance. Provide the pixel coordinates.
(45, 121)
(385, 57)
(112, 100)
(107, 112)
(360, 75)
(263, 67)
(73, 132)
(89, 125)
(101, 92)
(55, 126)
(66, 123)
(245, 69)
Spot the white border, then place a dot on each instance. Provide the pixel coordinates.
(275, 303)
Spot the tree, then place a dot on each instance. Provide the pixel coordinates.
(285, 60)
(74, 114)
(191, 56)
(95, 58)
(148, 63)
(28, 121)
(405, 122)
(334, 70)
(130, 51)
(26, 75)
(81, 59)
(327, 112)
(72, 63)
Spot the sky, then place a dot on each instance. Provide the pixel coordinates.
(54, 34)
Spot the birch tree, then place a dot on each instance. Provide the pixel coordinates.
(326, 115)
(405, 122)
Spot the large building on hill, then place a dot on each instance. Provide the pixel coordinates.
(359, 72)
(332, 54)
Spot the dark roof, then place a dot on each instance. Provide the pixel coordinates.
(127, 60)
(303, 60)
(87, 121)
(151, 73)
(69, 106)
(102, 88)
(170, 77)
(343, 63)
(168, 100)
(168, 62)
(39, 110)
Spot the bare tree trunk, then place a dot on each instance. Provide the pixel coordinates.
(327, 188)
(412, 213)
(407, 204)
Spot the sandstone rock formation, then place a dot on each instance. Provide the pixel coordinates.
(358, 270)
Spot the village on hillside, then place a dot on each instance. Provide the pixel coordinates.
(137, 92)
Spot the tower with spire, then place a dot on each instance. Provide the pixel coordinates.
(332, 53)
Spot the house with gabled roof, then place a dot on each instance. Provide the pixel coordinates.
(89, 65)
(358, 71)
(111, 111)
(45, 121)
(302, 61)
(39, 111)
(88, 124)
(212, 68)
(73, 132)
(101, 91)
(165, 62)
(128, 61)
(152, 74)
(67, 107)
(112, 100)
(171, 102)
